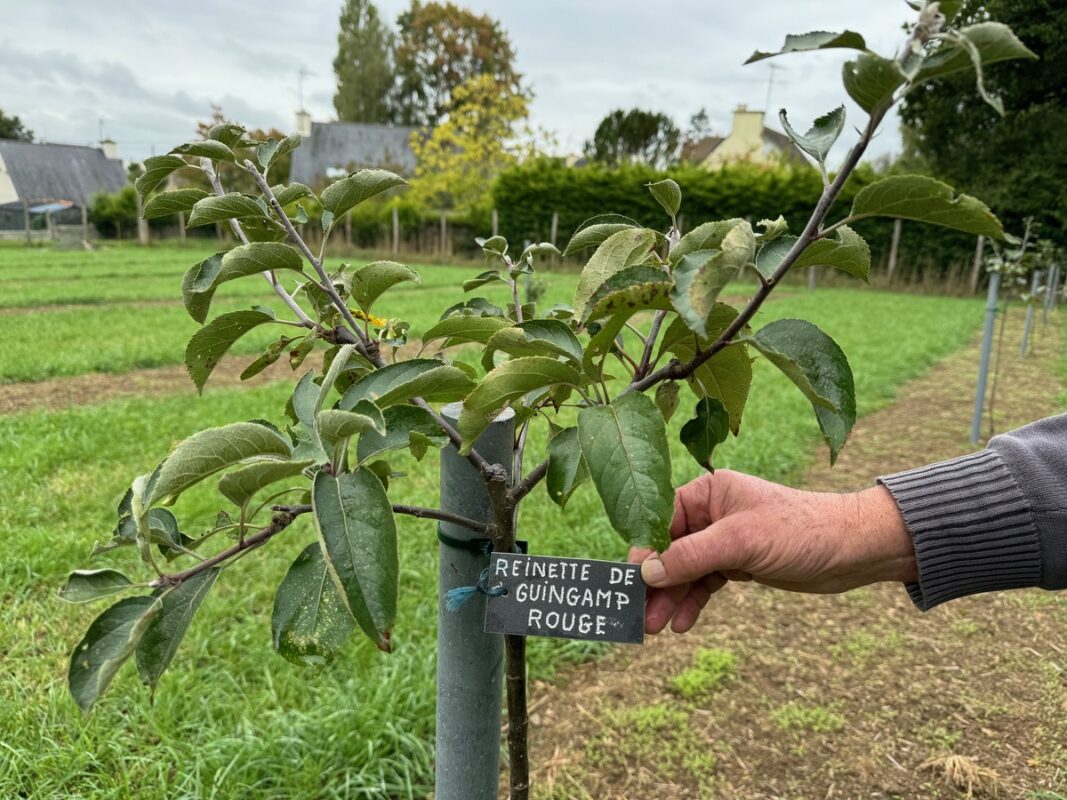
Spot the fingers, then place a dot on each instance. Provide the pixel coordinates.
(692, 506)
(685, 616)
(660, 606)
(717, 548)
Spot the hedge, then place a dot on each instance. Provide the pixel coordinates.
(526, 196)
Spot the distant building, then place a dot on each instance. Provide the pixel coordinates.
(53, 177)
(749, 140)
(333, 149)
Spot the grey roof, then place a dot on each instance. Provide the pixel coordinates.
(44, 173)
(346, 146)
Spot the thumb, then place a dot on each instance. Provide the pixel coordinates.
(714, 549)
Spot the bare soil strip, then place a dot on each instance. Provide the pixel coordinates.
(848, 696)
(14, 311)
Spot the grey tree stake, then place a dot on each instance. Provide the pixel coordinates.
(645, 320)
(470, 663)
(1035, 281)
(983, 361)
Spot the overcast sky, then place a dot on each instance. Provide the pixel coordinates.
(150, 69)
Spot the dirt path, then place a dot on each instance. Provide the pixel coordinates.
(816, 698)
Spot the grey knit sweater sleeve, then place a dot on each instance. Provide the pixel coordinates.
(996, 519)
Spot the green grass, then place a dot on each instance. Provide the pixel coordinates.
(711, 668)
(800, 717)
(231, 719)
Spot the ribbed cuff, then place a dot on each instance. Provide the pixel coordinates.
(972, 527)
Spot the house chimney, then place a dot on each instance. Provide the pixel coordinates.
(748, 125)
(111, 150)
(303, 123)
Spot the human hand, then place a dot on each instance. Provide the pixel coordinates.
(732, 526)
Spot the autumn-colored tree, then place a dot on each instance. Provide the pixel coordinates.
(364, 65)
(484, 133)
(441, 46)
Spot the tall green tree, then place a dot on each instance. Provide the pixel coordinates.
(441, 46)
(1016, 162)
(364, 65)
(635, 136)
(11, 127)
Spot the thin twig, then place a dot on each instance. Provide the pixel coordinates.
(650, 343)
(235, 226)
(283, 518)
(438, 514)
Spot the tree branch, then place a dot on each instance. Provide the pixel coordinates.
(294, 235)
(650, 343)
(271, 278)
(438, 514)
(283, 518)
(526, 485)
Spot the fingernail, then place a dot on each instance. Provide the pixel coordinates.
(652, 571)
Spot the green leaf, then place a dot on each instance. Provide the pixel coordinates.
(208, 148)
(201, 281)
(625, 448)
(701, 276)
(397, 383)
(668, 194)
(210, 451)
(462, 329)
(228, 133)
(341, 196)
(335, 424)
(708, 236)
(595, 230)
(263, 229)
(846, 251)
(358, 537)
(209, 344)
(156, 170)
(535, 337)
(667, 399)
(814, 362)
(725, 376)
(165, 631)
(241, 485)
(213, 208)
(821, 136)
(773, 253)
(489, 276)
(272, 151)
(993, 42)
(306, 399)
(290, 193)
(624, 249)
(708, 429)
(508, 382)
(772, 229)
(475, 307)
(925, 200)
(166, 203)
(370, 282)
(815, 40)
(405, 426)
(110, 640)
(310, 623)
(493, 246)
(566, 466)
(84, 585)
(870, 80)
(634, 288)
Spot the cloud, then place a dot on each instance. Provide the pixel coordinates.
(152, 72)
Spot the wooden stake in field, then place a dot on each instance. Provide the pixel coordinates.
(894, 245)
(976, 270)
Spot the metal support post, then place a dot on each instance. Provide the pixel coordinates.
(1034, 283)
(987, 349)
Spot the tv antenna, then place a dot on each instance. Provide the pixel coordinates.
(301, 73)
(770, 84)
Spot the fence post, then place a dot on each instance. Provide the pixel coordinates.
(348, 229)
(26, 221)
(396, 231)
(1050, 291)
(987, 349)
(811, 279)
(142, 223)
(470, 663)
(496, 222)
(181, 227)
(894, 245)
(554, 229)
(976, 270)
(85, 224)
(1034, 283)
(444, 233)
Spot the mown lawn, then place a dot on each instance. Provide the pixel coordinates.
(232, 719)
